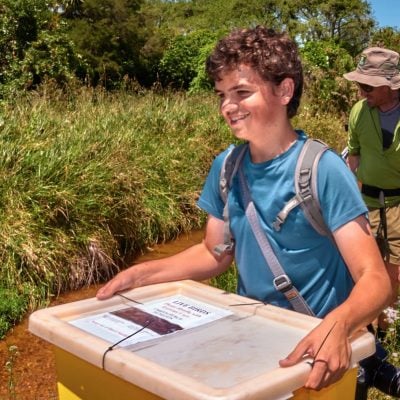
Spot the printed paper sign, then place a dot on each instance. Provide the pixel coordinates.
(152, 320)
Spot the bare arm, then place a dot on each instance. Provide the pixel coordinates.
(353, 162)
(372, 290)
(197, 262)
(369, 296)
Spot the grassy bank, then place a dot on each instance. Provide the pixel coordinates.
(89, 178)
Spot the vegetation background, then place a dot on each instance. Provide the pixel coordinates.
(108, 125)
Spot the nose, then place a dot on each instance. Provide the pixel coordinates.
(228, 105)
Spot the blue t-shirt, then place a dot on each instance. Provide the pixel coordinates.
(312, 261)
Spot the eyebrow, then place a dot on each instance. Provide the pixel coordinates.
(239, 86)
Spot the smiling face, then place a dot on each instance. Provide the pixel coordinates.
(251, 106)
(273, 55)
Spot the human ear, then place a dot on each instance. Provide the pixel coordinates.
(286, 89)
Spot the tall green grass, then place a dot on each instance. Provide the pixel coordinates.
(90, 178)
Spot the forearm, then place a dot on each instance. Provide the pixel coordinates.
(367, 299)
(195, 263)
(353, 161)
(371, 292)
(364, 304)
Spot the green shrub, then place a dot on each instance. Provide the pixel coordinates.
(322, 125)
(184, 58)
(326, 90)
(12, 307)
(34, 47)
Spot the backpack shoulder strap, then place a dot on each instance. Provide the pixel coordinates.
(229, 169)
(306, 184)
(306, 188)
(281, 281)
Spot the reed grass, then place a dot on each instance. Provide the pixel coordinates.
(90, 178)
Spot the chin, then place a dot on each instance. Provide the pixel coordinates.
(240, 133)
(241, 136)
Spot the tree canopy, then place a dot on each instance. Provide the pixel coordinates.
(163, 41)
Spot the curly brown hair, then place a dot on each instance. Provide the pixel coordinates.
(272, 54)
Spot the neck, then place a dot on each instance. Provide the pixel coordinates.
(268, 149)
(390, 104)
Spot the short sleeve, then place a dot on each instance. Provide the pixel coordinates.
(338, 192)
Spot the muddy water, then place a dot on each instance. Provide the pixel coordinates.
(33, 369)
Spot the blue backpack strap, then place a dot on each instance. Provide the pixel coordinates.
(229, 169)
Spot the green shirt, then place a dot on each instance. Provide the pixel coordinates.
(378, 167)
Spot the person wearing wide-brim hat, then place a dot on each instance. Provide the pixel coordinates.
(377, 67)
(374, 156)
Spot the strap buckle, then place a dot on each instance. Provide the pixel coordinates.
(277, 223)
(223, 249)
(282, 283)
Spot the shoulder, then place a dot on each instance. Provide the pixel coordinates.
(332, 161)
(219, 162)
(336, 179)
(359, 108)
(227, 159)
(312, 150)
(338, 192)
(219, 159)
(360, 105)
(210, 199)
(362, 118)
(333, 172)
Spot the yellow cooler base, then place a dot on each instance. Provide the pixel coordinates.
(345, 389)
(79, 380)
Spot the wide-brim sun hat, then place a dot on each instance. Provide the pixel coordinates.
(377, 67)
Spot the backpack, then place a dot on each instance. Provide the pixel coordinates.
(306, 195)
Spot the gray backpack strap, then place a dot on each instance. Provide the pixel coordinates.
(306, 188)
(306, 184)
(281, 281)
(229, 169)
